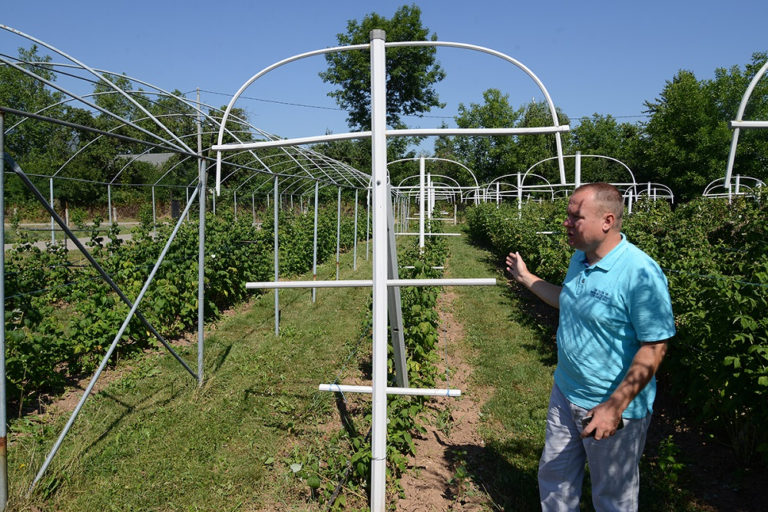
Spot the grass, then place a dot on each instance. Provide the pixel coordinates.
(508, 366)
(153, 440)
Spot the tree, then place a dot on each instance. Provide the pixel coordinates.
(602, 135)
(38, 147)
(491, 157)
(687, 138)
(411, 72)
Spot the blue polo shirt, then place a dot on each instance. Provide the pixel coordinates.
(606, 311)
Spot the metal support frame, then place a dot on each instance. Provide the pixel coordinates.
(201, 189)
(354, 257)
(314, 243)
(276, 244)
(394, 304)
(3, 404)
(379, 190)
(338, 230)
(422, 198)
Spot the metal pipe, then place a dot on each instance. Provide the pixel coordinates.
(53, 227)
(314, 243)
(109, 203)
(380, 199)
(201, 184)
(422, 198)
(409, 132)
(338, 231)
(577, 171)
(354, 257)
(421, 235)
(362, 283)
(3, 404)
(276, 222)
(367, 222)
(345, 388)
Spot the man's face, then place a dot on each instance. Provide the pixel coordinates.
(585, 224)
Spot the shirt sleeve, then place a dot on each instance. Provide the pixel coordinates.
(650, 306)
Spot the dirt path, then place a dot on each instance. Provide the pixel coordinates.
(436, 480)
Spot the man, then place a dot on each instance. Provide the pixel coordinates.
(615, 320)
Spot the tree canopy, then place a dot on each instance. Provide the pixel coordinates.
(411, 72)
(490, 157)
(687, 139)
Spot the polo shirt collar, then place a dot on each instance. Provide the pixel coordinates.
(607, 262)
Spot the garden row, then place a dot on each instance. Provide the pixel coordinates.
(405, 414)
(61, 317)
(715, 255)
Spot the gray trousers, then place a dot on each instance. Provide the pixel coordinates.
(613, 462)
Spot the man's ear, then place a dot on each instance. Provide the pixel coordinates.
(609, 220)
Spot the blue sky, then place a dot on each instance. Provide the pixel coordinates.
(604, 57)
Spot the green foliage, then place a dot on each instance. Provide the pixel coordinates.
(62, 319)
(687, 138)
(411, 72)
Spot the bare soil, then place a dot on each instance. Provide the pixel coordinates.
(434, 481)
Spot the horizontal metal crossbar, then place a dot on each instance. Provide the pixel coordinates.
(411, 132)
(748, 124)
(351, 283)
(429, 234)
(344, 388)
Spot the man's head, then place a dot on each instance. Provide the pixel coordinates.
(594, 219)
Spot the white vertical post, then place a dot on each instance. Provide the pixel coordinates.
(379, 166)
(276, 220)
(354, 253)
(3, 412)
(367, 222)
(338, 231)
(202, 180)
(53, 233)
(498, 192)
(577, 172)
(109, 203)
(314, 244)
(422, 198)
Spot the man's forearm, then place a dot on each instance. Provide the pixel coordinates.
(644, 366)
(607, 415)
(544, 290)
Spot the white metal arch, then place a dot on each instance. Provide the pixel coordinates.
(745, 185)
(556, 128)
(739, 123)
(437, 159)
